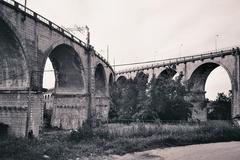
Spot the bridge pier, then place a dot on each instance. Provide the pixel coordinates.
(21, 112)
(69, 111)
(199, 110)
(236, 85)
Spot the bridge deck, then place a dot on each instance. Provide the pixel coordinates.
(178, 60)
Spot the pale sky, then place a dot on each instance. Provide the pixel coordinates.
(142, 30)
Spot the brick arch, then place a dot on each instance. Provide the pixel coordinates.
(21, 39)
(14, 67)
(167, 73)
(121, 80)
(200, 73)
(100, 80)
(68, 68)
(48, 51)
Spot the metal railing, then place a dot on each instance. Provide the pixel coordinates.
(30, 13)
(166, 62)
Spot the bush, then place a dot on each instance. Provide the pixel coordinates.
(83, 133)
(18, 148)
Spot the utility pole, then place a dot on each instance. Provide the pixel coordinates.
(81, 30)
(25, 10)
(25, 6)
(216, 38)
(180, 49)
(114, 64)
(88, 36)
(108, 53)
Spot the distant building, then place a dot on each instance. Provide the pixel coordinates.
(48, 99)
(48, 108)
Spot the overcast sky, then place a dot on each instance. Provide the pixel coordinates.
(141, 30)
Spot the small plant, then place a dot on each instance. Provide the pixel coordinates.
(83, 133)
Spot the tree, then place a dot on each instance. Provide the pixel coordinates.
(128, 98)
(167, 99)
(162, 98)
(220, 109)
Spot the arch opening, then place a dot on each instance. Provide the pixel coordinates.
(168, 73)
(218, 81)
(211, 84)
(68, 70)
(121, 80)
(100, 80)
(48, 75)
(3, 130)
(14, 72)
(110, 81)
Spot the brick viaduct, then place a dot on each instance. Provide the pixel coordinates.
(82, 76)
(195, 70)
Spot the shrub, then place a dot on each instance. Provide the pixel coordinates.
(83, 133)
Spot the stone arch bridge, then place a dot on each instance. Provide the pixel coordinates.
(81, 91)
(195, 70)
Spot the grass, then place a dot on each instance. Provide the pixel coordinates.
(115, 139)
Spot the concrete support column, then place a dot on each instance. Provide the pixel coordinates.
(199, 110)
(91, 87)
(236, 86)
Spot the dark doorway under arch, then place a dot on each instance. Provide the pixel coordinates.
(168, 73)
(3, 130)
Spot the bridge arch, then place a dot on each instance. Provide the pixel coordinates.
(167, 73)
(121, 79)
(68, 69)
(199, 75)
(196, 85)
(100, 80)
(14, 73)
(16, 32)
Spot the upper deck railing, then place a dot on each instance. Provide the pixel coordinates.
(53, 26)
(166, 62)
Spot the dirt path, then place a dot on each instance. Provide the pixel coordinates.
(212, 151)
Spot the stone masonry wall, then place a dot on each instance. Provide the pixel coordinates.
(69, 112)
(13, 112)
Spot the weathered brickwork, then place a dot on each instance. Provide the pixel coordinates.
(26, 41)
(102, 108)
(13, 112)
(69, 112)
